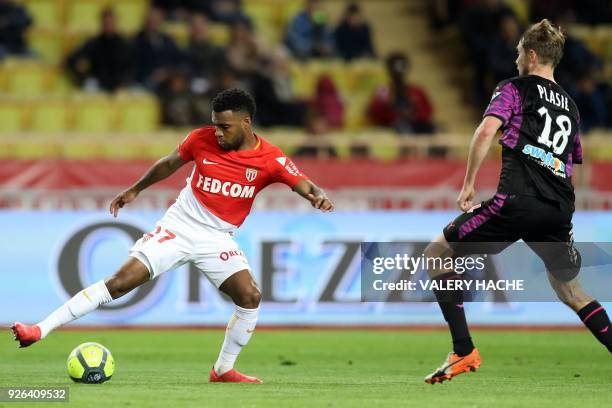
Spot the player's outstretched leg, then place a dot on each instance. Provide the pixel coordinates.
(592, 314)
(464, 356)
(243, 291)
(131, 275)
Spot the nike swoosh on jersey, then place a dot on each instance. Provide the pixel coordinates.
(208, 162)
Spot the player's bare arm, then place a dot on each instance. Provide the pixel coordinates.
(313, 193)
(163, 168)
(479, 147)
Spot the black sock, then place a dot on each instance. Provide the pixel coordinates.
(451, 303)
(594, 317)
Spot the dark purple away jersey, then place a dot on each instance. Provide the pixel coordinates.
(540, 140)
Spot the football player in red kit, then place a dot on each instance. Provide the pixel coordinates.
(231, 164)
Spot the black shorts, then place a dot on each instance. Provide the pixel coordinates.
(493, 225)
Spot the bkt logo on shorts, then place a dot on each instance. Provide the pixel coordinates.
(226, 255)
(226, 188)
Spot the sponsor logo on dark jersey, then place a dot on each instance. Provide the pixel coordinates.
(546, 159)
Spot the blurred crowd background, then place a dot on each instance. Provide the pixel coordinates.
(382, 80)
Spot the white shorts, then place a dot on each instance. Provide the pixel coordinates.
(178, 239)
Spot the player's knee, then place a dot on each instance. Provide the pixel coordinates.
(131, 275)
(435, 249)
(565, 268)
(432, 250)
(118, 286)
(115, 288)
(249, 299)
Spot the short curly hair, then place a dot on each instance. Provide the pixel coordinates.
(234, 99)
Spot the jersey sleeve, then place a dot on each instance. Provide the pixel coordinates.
(505, 102)
(577, 150)
(186, 146)
(285, 171)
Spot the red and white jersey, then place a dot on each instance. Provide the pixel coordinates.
(223, 184)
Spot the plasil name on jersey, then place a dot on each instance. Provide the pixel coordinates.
(546, 159)
(553, 97)
(225, 188)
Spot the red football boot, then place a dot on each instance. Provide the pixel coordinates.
(233, 376)
(24, 334)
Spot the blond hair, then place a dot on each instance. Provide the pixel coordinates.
(546, 41)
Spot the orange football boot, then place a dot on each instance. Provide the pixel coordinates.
(455, 365)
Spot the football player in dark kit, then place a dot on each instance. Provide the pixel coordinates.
(535, 196)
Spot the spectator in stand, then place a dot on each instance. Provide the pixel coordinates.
(273, 91)
(308, 34)
(590, 97)
(594, 11)
(353, 35)
(14, 21)
(502, 53)
(244, 52)
(155, 52)
(327, 105)
(478, 24)
(327, 114)
(401, 105)
(228, 79)
(550, 9)
(181, 9)
(227, 11)
(607, 88)
(176, 100)
(181, 103)
(206, 59)
(578, 61)
(104, 61)
(444, 12)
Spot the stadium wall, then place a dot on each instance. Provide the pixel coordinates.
(307, 264)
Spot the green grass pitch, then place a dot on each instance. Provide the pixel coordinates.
(303, 368)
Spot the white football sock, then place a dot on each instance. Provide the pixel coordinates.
(82, 303)
(239, 331)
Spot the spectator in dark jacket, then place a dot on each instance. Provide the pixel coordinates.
(206, 59)
(353, 36)
(227, 11)
(104, 61)
(590, 97)
(181, 9)
(14, 20)
(155, 52)
(578, 61)
(478, 25)
(273, 89)
(594, 11)
(244, 51)
(502, 53)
